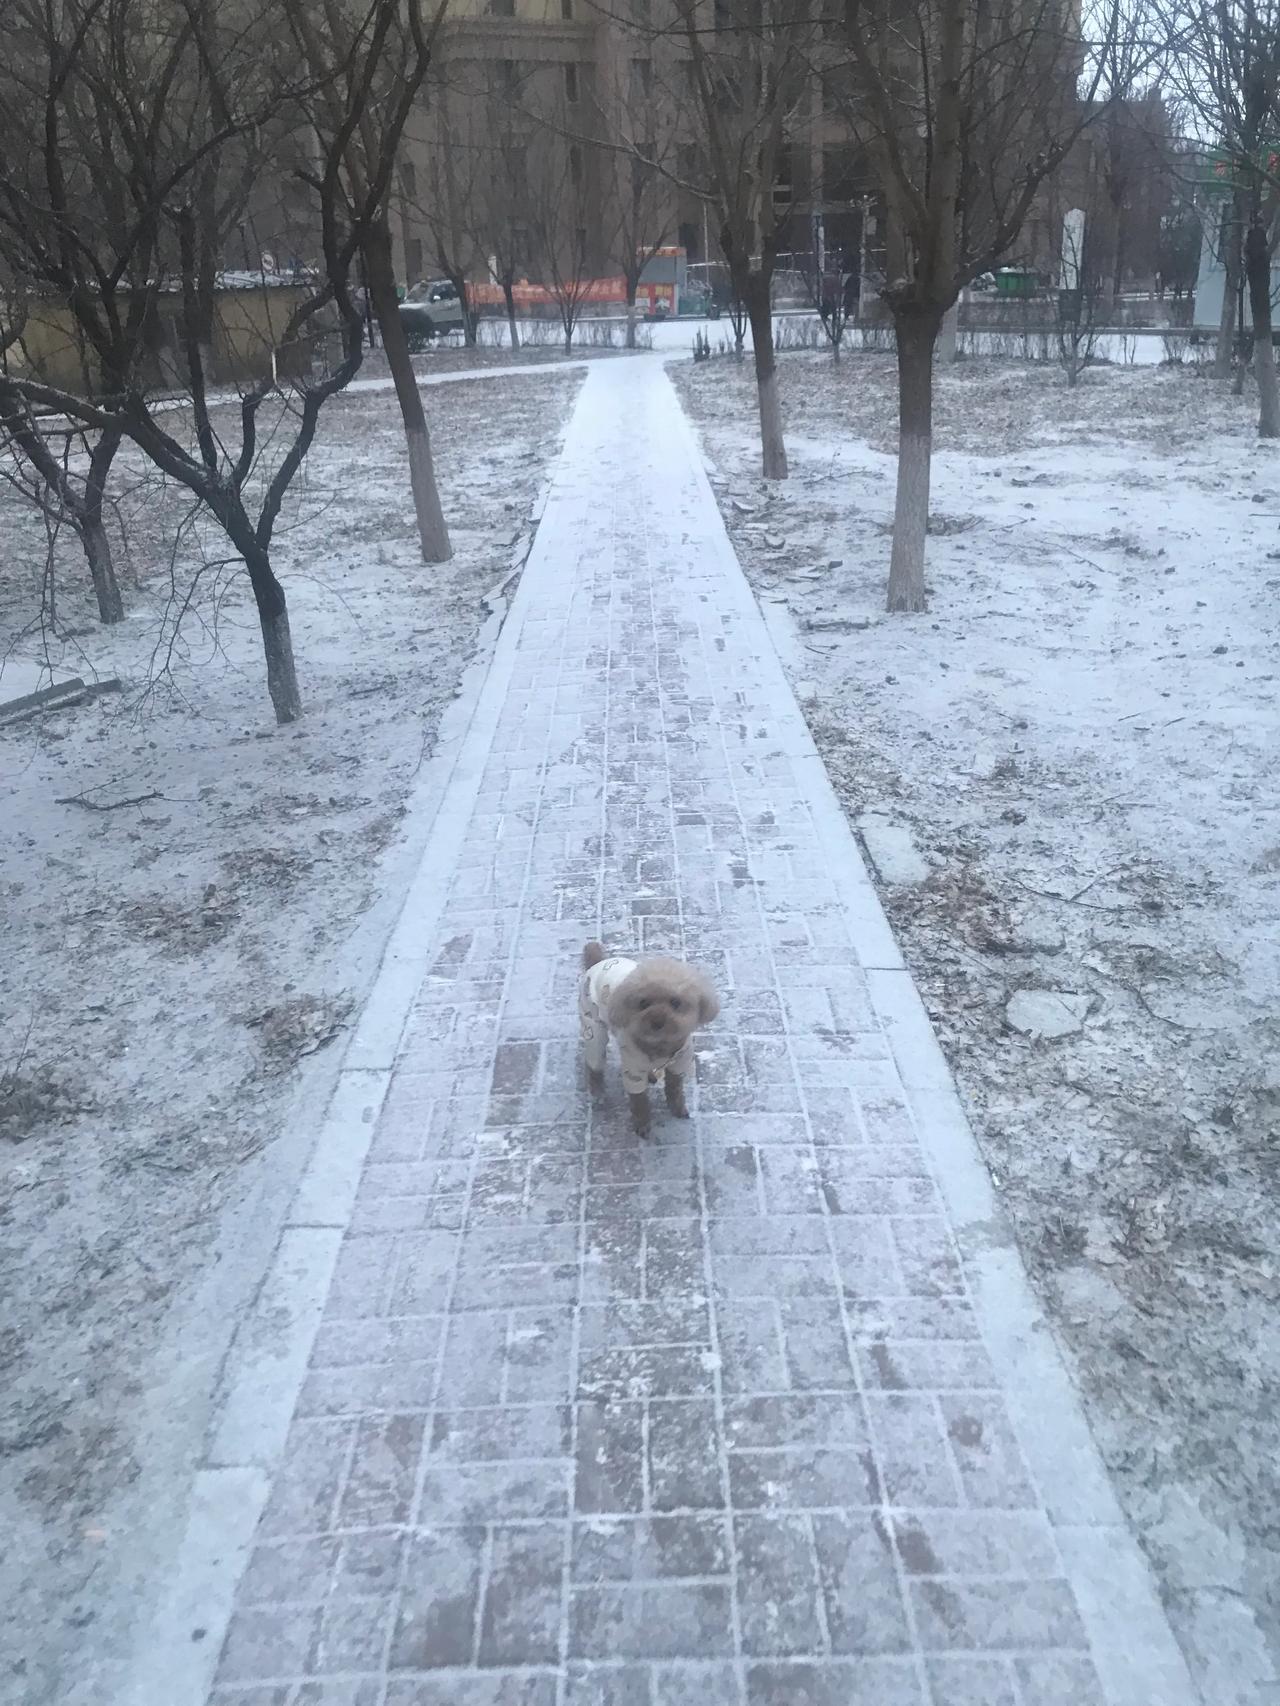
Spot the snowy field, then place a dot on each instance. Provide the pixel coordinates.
(1082, 738)
(171, 967)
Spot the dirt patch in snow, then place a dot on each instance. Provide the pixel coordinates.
(171, 966)
(1082, 736)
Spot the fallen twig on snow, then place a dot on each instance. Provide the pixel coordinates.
(106, 805)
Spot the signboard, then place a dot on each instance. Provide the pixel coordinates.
(592, 290)
(1226, 173)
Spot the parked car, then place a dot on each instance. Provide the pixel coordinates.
(431, 309)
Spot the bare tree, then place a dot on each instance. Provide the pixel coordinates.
(330, 36)
(1229, 69)
(45, 476)
(563, 205)
(1077, 299)
(153, 120)
(437, 202)
(749, 76)
(825, 288)
(490, 136)
(639, 163)
(965, 111)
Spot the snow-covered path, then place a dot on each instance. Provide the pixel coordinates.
(759, 1411)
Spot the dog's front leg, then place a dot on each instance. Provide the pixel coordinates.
(639, 1112)
(673, 1084)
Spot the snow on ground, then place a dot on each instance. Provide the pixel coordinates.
(1081, 737)
(169, 966)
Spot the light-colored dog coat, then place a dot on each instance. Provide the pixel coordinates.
(599, 986)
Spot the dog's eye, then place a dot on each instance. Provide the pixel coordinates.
(643, 1004)
(675, 1003)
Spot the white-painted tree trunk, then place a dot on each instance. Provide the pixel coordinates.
(282, 675)
(773, 450)
(277, 643)
(1257, 264)
(948, 334)
(433, 532)
(916, 337)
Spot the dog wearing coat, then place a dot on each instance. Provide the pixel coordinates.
(651, 1008)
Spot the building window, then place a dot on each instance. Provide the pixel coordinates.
(566, 10)
(839, 174)
(506, 78)
(641, 79)
(575, 163)
(571, 84)
(297, 198)
(502, 8)
(413, 259)
(408, 181)
(782, 179)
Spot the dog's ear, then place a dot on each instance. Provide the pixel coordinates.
(708, 1002)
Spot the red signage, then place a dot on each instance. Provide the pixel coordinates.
(526, 295)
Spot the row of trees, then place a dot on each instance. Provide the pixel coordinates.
(963, 115)
(158, 122)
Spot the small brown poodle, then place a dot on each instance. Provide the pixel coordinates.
(653, 1008)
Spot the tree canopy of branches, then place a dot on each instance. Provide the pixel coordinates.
(152, 122)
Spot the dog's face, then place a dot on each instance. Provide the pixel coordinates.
(660, 1005)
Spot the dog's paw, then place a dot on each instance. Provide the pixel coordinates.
(595, 1080)
(640, 1115)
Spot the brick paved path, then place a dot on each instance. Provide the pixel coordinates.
(592, 1421)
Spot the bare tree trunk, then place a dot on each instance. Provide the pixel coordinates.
(916, 336)
(631, 314)
(432, 532)
(97, 551)
(1225, 350)
(773, 450)
(83, 511)
(738, 318)
(513, 328)
(277, 644)
(93, 533)
(468, 313)
(1257, 264)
